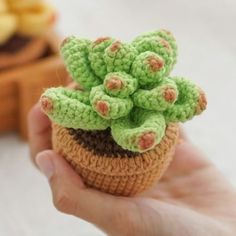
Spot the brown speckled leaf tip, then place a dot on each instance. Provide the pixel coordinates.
(119, 176)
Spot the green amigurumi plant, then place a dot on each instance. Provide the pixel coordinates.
(126, 87)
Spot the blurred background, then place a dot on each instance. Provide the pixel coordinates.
(206, 36)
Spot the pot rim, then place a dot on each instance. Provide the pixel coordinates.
(66, 145)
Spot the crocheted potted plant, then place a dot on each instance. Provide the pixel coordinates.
(23, 24)
(29, 59)
(120, 128)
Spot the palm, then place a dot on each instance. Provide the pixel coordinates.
(191, 192)
(192, 199)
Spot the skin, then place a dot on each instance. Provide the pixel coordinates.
(192, 199)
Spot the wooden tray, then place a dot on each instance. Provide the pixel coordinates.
(20, 87)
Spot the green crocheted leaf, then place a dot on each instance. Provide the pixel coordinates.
(139, 132)
(75, 54)
(96, 56)
(120, 84)
(119, 57)
(186, 106)
(148, 68)
(159, 98)
(158, 45)
(109, 107)
(71, 109)
(168, 40)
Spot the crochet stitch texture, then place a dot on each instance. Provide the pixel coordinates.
(125, 86)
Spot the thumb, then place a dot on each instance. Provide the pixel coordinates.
(71, 196)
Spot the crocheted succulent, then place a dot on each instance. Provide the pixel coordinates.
(125, 86)
(24, 17)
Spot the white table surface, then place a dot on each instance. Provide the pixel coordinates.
(206, 35)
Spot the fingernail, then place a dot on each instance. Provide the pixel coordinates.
(45, 164)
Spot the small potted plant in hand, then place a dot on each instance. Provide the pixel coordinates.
(28, 48)
(119, 129)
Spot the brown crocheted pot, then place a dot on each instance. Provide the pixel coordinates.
(20, 50)
(104, 165)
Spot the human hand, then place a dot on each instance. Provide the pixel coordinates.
(192, 198)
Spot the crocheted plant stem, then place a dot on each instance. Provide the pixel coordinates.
(139, 133)
(71, 109)
(126, 87)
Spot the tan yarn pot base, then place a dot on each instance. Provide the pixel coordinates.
(124, 176)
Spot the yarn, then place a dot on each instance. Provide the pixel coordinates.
(71, 109)
(159, 98)
(109, 107)
(75, 54)
(117, 172)
(141, 132)
(127, 87)
(119, 56)
(120, 84)
(96, 55)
